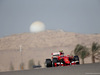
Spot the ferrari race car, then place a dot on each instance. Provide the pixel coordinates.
(58, 59)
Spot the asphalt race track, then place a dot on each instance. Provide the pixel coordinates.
(86, 69)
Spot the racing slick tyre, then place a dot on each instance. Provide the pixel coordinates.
(54, 61)
(76, 59)
(48, 63)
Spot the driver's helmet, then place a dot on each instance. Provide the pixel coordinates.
(61, 53)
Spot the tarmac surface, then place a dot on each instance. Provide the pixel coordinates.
(86, 69)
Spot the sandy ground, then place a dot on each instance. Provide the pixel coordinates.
(38, 55)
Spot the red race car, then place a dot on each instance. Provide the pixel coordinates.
(58, 59)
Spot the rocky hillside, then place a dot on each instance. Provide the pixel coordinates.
(47, 39)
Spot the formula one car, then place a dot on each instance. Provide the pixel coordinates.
(58, 59)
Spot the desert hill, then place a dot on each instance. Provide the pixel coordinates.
(39, 46)
(47, 39)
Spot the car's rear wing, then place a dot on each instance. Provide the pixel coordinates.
(55, 54)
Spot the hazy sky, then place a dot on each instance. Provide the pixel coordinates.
(80, 16)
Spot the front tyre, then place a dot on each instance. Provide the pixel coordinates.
(76, 59)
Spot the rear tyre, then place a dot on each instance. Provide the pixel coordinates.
(54, 61)
(48, 63)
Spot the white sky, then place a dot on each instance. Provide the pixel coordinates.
(80, 16)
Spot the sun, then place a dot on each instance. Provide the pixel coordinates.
(37, 26)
